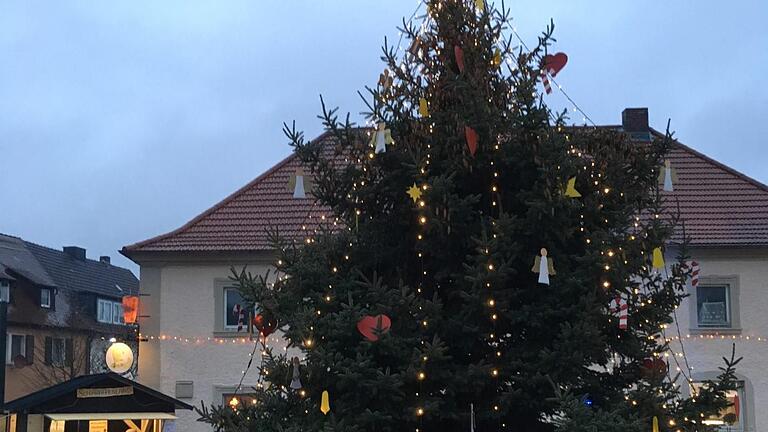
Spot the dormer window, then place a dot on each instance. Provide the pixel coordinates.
(45, 298)
(109, 311)
(5, 291)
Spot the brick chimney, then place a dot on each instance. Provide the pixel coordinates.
(75, 252)
(634, 121)
(104, 259)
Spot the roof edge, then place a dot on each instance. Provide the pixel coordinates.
(718, 164)
(127, 251)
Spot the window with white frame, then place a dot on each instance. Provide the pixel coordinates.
(713, 306)
(109, 312)
(232, 298)
(16, 346)
(729, 419)
(5, 291)
(45, 297)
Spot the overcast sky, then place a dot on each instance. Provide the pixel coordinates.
(121, 120)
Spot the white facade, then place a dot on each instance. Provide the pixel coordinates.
(745, 272)
(186, 343)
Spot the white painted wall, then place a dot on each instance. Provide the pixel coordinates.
(705, 350)
(184, 307)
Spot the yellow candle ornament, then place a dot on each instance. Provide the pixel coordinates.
(423, 108)
(658, 258)
(325, 404)
(655, 424)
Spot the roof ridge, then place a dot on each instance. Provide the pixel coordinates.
(127, 249)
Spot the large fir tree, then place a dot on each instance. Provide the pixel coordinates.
(441, 236)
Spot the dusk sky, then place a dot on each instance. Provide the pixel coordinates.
(121, 120)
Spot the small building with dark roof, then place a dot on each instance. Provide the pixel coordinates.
(63, 310)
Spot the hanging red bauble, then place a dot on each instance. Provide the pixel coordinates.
(372, 327)
(265, 323)
(472, 138)
(459, 54)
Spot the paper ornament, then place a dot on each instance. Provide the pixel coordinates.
(655, 424)
(130, 309)
(472, 424)
(423, 107)
(265, 323)
(472, 138)
(620, 309)
(299, 184)
(373, 327)
(458, 53)
(570, 189)
(239, 313)
(497, 58)
(385, 80)
(325, 403)
(480, 4)
(658, 259)
(551, 65)
(694, 273)
(668, 176)
(414, 192)
(296, 377)
(381, 137)
(544, 266)
(415, 46)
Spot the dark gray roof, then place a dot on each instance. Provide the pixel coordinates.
(16, 258)
(52, 267)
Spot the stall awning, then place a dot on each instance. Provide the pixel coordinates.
(112, 416)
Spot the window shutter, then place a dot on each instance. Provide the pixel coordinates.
(48, 349)
(30, 349)
(68, 352)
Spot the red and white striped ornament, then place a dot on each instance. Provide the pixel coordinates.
(551, 65)
(694, 274)
(239, 313)
(620, 308)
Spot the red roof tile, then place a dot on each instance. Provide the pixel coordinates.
(720, 207)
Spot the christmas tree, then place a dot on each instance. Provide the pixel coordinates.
(479, 259)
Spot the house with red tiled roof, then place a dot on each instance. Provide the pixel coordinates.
(192, 348)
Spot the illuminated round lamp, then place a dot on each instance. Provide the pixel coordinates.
(119, 358)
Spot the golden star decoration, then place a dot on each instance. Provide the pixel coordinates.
(414, 192)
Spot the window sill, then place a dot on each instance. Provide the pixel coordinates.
(231, 334)
(715, 331)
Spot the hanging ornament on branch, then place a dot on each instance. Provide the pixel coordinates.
(668, 176)
(373, 327)
(551, 65)
(381, 137)
(496, 58)
(570, 189)
(694, 273)
(385, 80)
(265, 323)
(544, 266)
(423, 107)
(239, 313)
(658, 259)
(325, 403)
(296, 374)
(458, 54)
(414, 192)
(472, 139)
(620, 309)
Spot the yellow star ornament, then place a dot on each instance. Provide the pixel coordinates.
(414, 192)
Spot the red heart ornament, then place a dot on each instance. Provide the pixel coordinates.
(472, 138)
(459, 54)
(372, 327)
(555, 63)
(265, 324)
(654, 367)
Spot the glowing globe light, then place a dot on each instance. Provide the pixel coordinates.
(119, 358)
